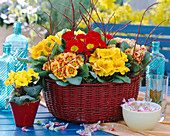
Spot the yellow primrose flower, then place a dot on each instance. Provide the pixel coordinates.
(21, 81)
(12, 74)
(59, 58)
(46, 66)
(123, 70)
(17, 75)
(105, 65)
(41, 49)
(31, 72)
(80, 60)
(55, 65)
(119, 65)
(74, 64)
(95, 56)
(119, 55)
(79, 32)
(35, 55)
(53, 39)
(69, 56)
(9, 81)
(70, 71)
(106, 53)
(97, 70)
(58, 73)
(111, 72)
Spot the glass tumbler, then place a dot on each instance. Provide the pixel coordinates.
(157, 91)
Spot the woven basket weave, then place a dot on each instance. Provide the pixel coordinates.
(88, 103)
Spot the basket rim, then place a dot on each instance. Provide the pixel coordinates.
(94, 84)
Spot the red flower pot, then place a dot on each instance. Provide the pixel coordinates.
(24, 115)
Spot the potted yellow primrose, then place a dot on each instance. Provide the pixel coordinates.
(25, 97)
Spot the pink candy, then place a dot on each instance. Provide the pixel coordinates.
(62, 127)
(138, 106)
(88, 129)
(24, 129)
(112, 128)
(56, 124)
(47, 126)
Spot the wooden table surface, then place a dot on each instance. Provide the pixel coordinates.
(8, 128)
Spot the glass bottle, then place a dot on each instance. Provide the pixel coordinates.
(19, 45)
(155, 75)
(157, 65)
(7, 63)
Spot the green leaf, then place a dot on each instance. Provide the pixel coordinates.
(43, 73)
(53, 77)
(61, 47)
(42, 59)
(33, 91)
(49, 44)
(93, 74)
(97, 29)
(129, 57)
(96, 77)
(75, 80)
(21, 99)
(37, 68)
(124, 46)
(136, 67)
(128, 64)
(61, 83)
(43, 84)
(146, 58)
(103, 38)
(10, 99)
(101, 80)
(116, 80)
(112, 41)
(84, 71)
(124, 78)
(55, 50)
(29, 60)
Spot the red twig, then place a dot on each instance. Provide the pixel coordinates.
(154, 39)
(109, 21)
(123, 27)
(36, 32)
(66, 7)
(90, 16)
(139, 31)
(143, 17)
(113, 24)
(73, 15)
(84, 18)
(58, 24)
(45, 28)
(152, 32)
(68, 19)
(140, 70)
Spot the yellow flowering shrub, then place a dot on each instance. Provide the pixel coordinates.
(125, 12)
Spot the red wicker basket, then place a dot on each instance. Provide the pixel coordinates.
(88, 103)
